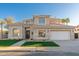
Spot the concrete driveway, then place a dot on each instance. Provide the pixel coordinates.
(68, 45)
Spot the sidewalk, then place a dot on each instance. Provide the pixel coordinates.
(19, 43)
(38, 49)
(18, 48)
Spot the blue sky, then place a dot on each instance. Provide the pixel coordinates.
(25, 10)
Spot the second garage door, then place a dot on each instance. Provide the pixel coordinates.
(59, 35)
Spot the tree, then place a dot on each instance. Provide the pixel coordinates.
(9, 20)
(65, 21)
(1, 23)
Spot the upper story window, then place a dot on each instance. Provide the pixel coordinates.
(42, 21)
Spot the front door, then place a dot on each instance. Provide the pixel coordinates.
(27, 34)
(76, 35)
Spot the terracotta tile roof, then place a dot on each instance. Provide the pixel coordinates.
(56, 26)
(77, 26)
(16, 24)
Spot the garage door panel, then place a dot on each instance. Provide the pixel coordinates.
(59, 35)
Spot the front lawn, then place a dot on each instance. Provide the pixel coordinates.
(40, 44)
(7, 42)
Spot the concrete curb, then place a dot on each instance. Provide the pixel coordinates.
(19, 49)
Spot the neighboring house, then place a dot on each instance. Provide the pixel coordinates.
(41, 27)
(76, 31)
(4, 35)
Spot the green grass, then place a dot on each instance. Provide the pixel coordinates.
(7, 42)
(40, 44)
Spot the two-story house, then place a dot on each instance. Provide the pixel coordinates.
(41, 27)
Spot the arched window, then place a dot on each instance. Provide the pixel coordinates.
(16, 32)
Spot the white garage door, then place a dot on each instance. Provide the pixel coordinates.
(59, 35)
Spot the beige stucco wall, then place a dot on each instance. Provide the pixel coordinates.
(72, 34)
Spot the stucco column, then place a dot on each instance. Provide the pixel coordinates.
(72, 35)
(10, 33)
(47, 34)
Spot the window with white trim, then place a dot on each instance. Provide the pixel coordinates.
(41, 21)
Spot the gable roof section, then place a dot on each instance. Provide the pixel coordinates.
(16, 24)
